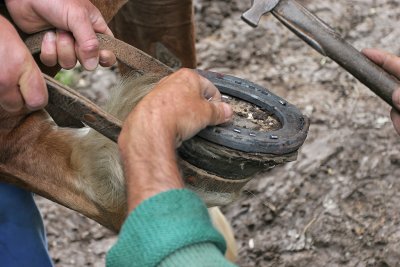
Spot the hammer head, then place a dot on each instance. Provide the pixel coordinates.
(258, 8)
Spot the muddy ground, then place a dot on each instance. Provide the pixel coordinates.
(339, 203)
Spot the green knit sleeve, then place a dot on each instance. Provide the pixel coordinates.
(166, 226)
(198, 255)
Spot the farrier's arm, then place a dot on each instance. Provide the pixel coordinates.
(391, 63)
(168, 225)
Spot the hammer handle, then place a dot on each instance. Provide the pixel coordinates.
(329, 43)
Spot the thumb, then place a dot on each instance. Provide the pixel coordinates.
(32, 86)
(221, 112)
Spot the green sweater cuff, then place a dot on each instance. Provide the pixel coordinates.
(199, 255)
(161, 225)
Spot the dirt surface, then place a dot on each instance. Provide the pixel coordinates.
(339, 203)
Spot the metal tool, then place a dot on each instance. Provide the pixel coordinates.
(82, 109)
(326, 41)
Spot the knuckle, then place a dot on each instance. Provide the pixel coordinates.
(187, 73)
(189, 79)
(90, 46)
(79, 13)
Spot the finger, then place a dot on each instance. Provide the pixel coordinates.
(32, 87)
(66, 49)
(48, 54)
(20, 72)
(221, 112)
(396, 98)
(388, 61)
(107, 58)
(195, 80)
(87, 45)
(395, 116)
(11, 100)
(99, 24)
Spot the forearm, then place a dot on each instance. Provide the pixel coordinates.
(149, 160)
(167, 227)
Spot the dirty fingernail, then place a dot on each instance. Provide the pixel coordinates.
(91, 63)
(228, 111)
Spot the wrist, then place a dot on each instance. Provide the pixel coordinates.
(150, 164)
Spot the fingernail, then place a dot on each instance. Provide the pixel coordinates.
(91, 63)
(228, 111)
(50, 37)
(10, 108)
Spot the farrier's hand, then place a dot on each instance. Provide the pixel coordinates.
(80, 17)
(391, 63)
(21, 82)
(175, 110)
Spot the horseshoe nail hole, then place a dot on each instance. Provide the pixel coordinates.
(216, 130)
(264, 92)
(89, 118)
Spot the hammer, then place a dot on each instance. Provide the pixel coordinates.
(326, 41)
